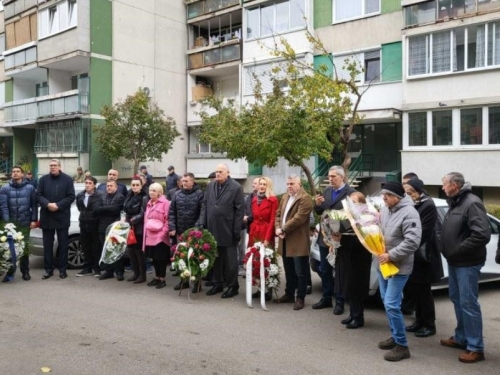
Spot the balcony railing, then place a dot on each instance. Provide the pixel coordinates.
(199, 8)
(226, 52)
(20, 58)
(30, 110)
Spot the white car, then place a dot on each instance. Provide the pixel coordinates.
(490, 271)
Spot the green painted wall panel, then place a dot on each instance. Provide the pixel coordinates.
(101, 76)
(326, 61)
(255, 169)
(392, 62)
(9, 91)
(322, 13)
(389, 6)
(23, 145)
(98, 164)
(101, 27)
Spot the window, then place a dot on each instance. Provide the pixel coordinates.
(2, 43)
(442, 128)
(457, 50)
(349, 9)
(417, 126)
(471, 126)
(420, 13)
(42, 89)
(494, 125)
(63, 136)
(195, 145)
(367, 63)
(263, 73)
(275, 17)
(57, 18)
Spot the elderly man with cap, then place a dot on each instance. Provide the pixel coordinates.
(402, 231)
(427, 262)
(149, 179)
(171, 179)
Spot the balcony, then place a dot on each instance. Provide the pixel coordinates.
(213, 55)
(199, 8)
(29, 111)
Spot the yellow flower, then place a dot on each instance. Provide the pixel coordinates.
(20, 237)
(3, 239)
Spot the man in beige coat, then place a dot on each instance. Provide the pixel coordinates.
(292, 228)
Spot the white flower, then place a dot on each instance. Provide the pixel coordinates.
(204, 265)
(268, 252)
(273, 270)
(186, 274)
(181, 265)
(193, 278)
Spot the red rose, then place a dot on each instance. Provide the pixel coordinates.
(267, 263)
(202, 258)
(182, 255)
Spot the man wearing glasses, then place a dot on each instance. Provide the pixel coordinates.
(55, 194)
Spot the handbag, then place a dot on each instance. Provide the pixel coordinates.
(131, 239)
(154, 225)
(423, 254)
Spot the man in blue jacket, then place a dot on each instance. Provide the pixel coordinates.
(18, 205)
(55, 194)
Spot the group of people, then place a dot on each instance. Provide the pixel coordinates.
(413, 237)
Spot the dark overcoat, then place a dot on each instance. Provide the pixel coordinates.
(57, 189)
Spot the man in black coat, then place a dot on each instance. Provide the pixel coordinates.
(113, 174)
(222, 214)
(18, 205)
(331, 199)
(55, 194)
(108, 212)
(86, 202)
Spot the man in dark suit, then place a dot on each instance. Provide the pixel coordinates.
(222, 214)
(331, 199)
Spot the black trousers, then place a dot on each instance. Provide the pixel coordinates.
(160, 266)
(295, 274)
(226, 267)
(137, 258)
(62, 249)
(117, 267)
(91, 247)
(421, 295)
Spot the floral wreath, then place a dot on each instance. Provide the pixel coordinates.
(195, 254)
(12, 246)
(271, 267)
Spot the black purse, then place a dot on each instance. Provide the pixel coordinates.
(423, 254)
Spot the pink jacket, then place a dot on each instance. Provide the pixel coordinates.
(158, 211)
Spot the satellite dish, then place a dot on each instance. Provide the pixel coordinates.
(146, 91)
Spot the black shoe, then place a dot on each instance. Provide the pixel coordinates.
(356, 323)
(26, 276)
(209, 283)
(105, 276)
(426, 332)
(133, 277)
(47, 275)
(413, 327)
(256, 294)
(182, 285)
(230, 292)
(407, 311)
(140, 280)
(84, 273)
(120, 277)
(339, 308)
(63, 275)
(309, 289)
(215, 290)
(153, 282)
(196, 287)
(161, 284)
(347, 320)
(322, 304)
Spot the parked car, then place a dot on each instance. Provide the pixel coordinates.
(490, 271)
(75, 253)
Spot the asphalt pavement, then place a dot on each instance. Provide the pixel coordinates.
(82, 325)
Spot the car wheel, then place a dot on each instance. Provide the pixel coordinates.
(75, 253)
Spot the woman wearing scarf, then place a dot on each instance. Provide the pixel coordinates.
(427, 262)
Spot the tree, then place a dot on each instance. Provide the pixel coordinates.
(135, 129)
(305, 120)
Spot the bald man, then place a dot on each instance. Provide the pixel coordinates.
(113, 174)
(222, 214)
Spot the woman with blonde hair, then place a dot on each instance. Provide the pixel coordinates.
(264, 206)
(156, 241)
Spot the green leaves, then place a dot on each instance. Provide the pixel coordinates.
(135, 129)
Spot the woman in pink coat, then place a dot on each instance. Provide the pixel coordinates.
(264, 207)
(156, 239)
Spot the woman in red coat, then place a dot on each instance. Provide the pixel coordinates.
(264, 207)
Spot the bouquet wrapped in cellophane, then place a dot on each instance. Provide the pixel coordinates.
(365, 221)
(115, 243)
(330, 226)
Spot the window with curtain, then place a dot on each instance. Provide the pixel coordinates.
(418, 55)
(442, 128)
(441, 52)
(471, 126)
(494, 125)
(372, 66)
(340, 63)
(493, 49)
(417, 128)
(347, 9)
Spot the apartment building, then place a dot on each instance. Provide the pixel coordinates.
(451, 103)
(64, 59)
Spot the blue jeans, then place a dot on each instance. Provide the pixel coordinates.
(464, 290)
(391, 291)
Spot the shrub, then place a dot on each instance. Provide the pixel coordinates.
(493, 209)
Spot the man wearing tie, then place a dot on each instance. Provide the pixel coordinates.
(222, 213)
(331, 200)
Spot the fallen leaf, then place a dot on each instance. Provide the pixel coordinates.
(45, 369)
